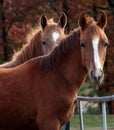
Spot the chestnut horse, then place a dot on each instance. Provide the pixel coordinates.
(43, 40)
(43, 90)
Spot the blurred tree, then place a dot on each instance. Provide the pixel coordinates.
(4, 31)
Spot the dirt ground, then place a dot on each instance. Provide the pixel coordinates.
(95, 128)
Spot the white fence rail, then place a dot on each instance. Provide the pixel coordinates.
(103, 100)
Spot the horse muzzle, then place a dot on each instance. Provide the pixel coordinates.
(96, 76)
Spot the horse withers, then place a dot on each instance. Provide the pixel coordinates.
(43, 90)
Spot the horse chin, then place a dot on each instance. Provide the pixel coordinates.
(94, 81)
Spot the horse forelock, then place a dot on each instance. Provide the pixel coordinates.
(90, 20)
(93, 29)
(51, 21)
(96, 31)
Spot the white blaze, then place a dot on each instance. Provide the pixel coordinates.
(96, 53)
(55, 36)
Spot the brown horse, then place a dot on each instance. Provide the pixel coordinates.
(41, 41)
(43, 90)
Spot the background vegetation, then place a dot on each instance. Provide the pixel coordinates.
(92, 122)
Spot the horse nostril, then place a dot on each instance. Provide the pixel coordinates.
(92, 74)
(43, 42)
(101, 73)
(99, 77)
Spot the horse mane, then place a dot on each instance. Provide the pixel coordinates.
(28, 50)
(59, 52)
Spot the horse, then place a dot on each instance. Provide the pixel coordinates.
(43, 90)
(40, 41)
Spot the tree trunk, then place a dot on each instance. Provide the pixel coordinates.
(4, 32)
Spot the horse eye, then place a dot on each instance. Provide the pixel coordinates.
(43, 42)
(83, 45)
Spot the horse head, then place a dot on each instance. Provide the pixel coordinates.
(93, 41)
(52, 33)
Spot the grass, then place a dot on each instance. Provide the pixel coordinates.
(92, 122)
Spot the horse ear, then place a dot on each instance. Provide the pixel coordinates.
(43, 21)
(82, 21)
(102, 19)
(63, 20)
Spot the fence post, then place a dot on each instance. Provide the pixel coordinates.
(80, 115)
(104, 116)
(94, 99)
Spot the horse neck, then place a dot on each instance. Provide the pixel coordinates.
(71, 70)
